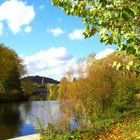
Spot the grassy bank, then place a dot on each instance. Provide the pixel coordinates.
(127, 126)
(128, 129)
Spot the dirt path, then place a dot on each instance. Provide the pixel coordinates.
(28, 137)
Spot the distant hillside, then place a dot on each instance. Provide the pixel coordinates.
(38, 79)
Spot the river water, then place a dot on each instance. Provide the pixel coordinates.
(20, 119)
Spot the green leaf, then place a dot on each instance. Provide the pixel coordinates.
(118, 66)
(103, 31)
(103, 3)
(114, 64)
(127, 13)
(129, 65)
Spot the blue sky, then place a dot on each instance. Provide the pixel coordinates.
(47, 39)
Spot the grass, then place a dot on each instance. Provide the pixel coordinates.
(127, 127)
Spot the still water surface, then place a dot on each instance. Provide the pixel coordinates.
(20, 119)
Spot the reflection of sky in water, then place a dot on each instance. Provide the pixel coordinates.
(26, 129)
(20, 119)
(43, 111)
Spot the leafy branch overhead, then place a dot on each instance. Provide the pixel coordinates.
(117, 22)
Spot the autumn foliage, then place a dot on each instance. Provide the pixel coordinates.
(11, 70)
(101, 93)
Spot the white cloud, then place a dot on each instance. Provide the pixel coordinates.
(28, 29)
(104, 53)
(53, 62)
(56, 31)
(1, 28)
(16, 13)
(76, 35)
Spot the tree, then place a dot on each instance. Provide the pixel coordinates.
(11, 70)
(12, 82)
(53, 90)
(101, 93)
(27, 87)
(117, 22)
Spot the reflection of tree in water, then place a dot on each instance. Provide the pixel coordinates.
(9, 120)
(27, 107)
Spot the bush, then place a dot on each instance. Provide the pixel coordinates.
(102, 93)
(125, 95)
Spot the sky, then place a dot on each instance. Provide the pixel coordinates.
(48, 40)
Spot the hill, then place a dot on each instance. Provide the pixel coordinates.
(40, 79)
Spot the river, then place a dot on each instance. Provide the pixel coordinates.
(20, 119)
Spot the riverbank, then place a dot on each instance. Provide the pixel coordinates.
(127, 129)
(28, 137)
(127, 126)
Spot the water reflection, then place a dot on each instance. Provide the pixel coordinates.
(9, 120)
(18, 119)
(44, 111)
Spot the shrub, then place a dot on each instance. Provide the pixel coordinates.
(102, 93)
(125, 93)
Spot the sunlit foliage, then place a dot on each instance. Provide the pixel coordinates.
(11, 70)
(102, 93)
(117, 22)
